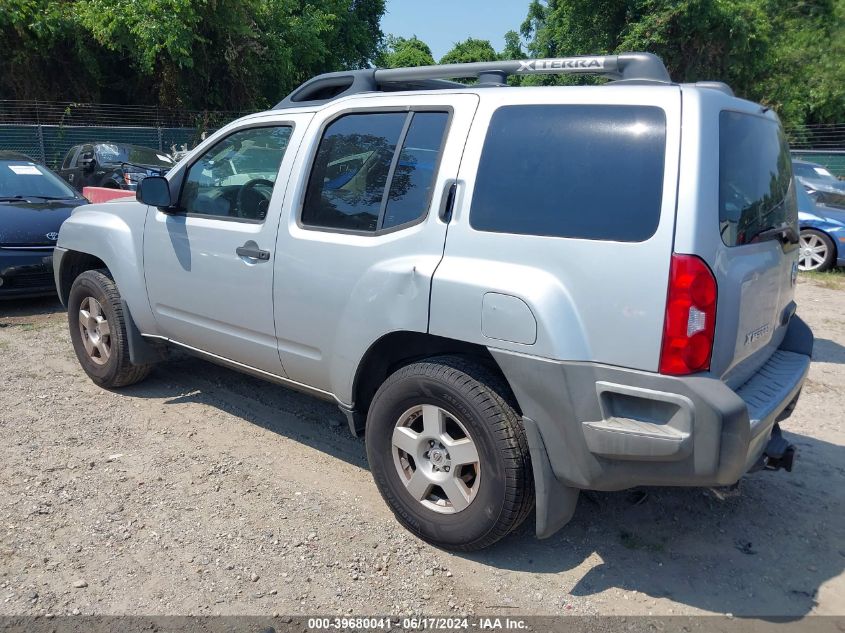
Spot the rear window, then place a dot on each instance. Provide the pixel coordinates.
(756, 190)
(113, 153)
(581, 171)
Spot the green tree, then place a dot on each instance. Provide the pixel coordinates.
(470, 50)
(232, 54)
(759, 47)
(400, 52)
(513, 47)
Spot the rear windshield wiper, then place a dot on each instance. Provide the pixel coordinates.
(786, 234)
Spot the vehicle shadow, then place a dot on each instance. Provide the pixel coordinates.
(16, 309)
(296, 416)
(827, 351)
(761, 551)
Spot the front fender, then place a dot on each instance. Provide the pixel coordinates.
(113, 232)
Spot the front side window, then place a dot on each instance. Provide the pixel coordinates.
(68, 158)
(579, 171)
(86, 152)
(360, 182)
(235, 178)
(756, 190)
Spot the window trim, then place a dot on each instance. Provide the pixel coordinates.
(311, 159)
(178, 211)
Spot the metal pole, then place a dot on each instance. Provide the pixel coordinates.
(39, 131)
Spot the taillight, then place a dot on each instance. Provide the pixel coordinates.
(690, 317)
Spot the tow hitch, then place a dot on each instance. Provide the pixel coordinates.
(779, 453)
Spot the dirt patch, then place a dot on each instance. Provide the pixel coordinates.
(203, 491)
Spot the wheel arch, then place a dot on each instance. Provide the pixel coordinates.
(107, 235)
(71, 265)
(396, 349)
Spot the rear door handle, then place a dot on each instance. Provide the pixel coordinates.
(253, 252)
(447, 203)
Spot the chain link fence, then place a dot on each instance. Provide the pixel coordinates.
(823, 144)
(46, 131)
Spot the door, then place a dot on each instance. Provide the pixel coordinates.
(744, 223)
(72, 172)
(362, 234)
(209, 266)
(85, 172)
(66, 170)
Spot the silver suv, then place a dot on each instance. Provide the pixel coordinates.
(515, 293)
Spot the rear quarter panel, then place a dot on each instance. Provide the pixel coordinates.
(592, 300)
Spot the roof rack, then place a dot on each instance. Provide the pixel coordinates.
(330, 86)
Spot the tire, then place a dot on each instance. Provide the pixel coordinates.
(95, 294)
(817, 251)
(492, 496)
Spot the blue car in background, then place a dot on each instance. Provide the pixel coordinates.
(823, 186)
(822, 239)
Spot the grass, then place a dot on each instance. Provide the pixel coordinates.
(832, 279)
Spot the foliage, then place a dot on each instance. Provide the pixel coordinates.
(400, 52)
(246, 54)
(232, 54)
(470, 50)
(760, 47)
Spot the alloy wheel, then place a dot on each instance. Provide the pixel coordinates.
(813, 252)
(436, 459)
(95, 330)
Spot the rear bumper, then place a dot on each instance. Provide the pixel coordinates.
(600, 427)
(26, 273)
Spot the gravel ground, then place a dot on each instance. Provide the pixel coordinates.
(202, 491)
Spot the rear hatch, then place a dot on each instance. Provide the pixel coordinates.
(744, 223)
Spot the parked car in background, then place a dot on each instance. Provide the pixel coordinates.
(33, 204)
(818, 181)
(822, 238)
(112, 165)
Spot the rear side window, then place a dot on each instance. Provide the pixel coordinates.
(360, 181)
(756, 190)
(581, 171)
(68, 158)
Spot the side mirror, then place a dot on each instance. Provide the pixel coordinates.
(154, 191)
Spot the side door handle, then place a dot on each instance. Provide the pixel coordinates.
(447, 202)
(251, 250)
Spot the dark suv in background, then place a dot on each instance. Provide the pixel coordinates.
(112, 165)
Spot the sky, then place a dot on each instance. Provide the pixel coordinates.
(441, 23)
